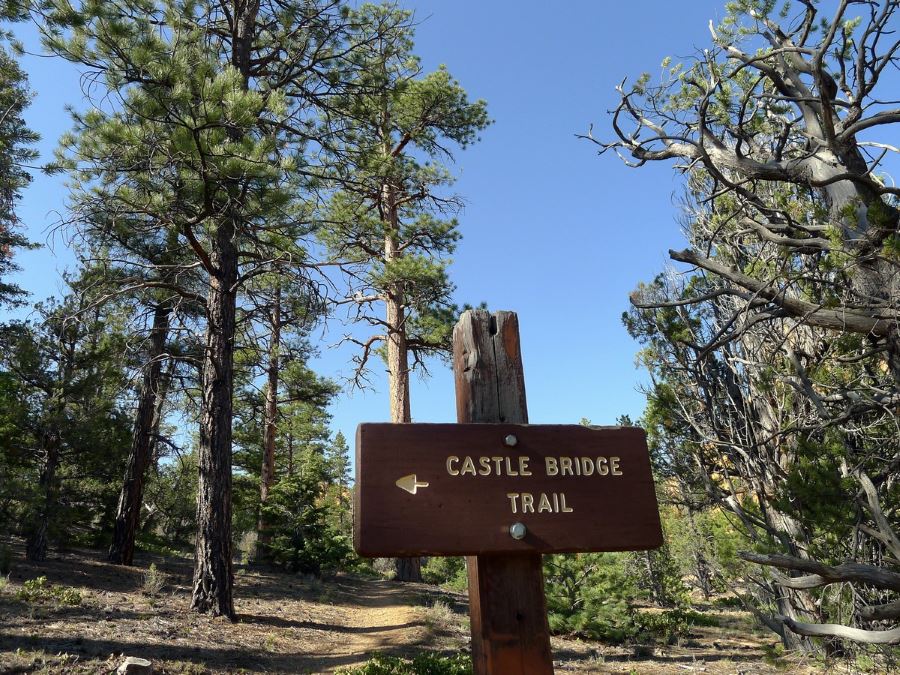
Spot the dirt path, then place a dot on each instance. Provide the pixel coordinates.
(291, 624)
(285, 623)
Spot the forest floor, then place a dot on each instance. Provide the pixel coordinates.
(295, 624)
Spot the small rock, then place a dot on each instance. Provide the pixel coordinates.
(135, 666)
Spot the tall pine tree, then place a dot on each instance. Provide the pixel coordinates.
(16, 150)
(392, 224)
(209, 116)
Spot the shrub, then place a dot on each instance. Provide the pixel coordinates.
(591, 594)
(154, 581)
(587, 595)
(446, 571)
(656, 575)
(669, 626)
(33, 590)
(422, 664)
(38, 590)
(66, 596)
(440, 616)
(384, 568)
(301, 538)
(728, 602)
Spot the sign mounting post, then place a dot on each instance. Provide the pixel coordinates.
(507, 607)
(501, 492)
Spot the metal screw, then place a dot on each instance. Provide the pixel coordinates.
(517, 531)
(511, 440)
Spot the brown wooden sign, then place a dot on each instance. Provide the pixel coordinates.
(471, 489)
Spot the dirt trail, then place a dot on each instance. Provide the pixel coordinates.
(286, 623)
(291, 624)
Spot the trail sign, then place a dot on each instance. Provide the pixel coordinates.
(469, 489)
(503, 492)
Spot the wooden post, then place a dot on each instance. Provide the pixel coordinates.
(507, 608)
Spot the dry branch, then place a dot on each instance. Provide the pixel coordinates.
(822, 575)
(871, 637)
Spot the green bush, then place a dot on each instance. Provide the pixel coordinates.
(587, 595)
(301, 537)
(657, 577)
(446, 571)
(591, 595)
(668, 626)
(170, 530)
(728, 602)
(421, 664)
(38, 590)
(154, 581)
(439, 616)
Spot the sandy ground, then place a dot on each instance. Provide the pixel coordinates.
(292, 624)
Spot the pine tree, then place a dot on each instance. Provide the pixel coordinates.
(66, 372)
(211, 112)
(16, 151)
(389, 225)
(337, 458)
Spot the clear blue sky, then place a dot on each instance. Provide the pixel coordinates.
(550, 230)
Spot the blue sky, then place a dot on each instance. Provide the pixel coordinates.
(550, 230)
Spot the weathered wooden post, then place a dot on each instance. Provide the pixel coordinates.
(501, 492)
(507, 607)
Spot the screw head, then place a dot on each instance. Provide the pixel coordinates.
(511, 440)
(517, 531)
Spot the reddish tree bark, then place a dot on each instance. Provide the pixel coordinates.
(267, 472)
(213, 571)
(128, 513)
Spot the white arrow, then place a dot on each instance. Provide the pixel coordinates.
(410, 484)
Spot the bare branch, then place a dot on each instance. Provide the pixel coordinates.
(825, 574)
(871, 637)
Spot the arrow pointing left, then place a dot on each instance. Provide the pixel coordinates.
(410, 484)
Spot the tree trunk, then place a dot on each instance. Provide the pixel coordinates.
(213, 573)
(398, 361)
(406, 569)
(397, 349)
(267, 472)
(290, 447)
(121, 552)
(657, 593)
(165, 381)
(850, 206)
(36, 543)
(794, 604)
(702, 569)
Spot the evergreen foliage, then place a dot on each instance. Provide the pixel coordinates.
(447, 571)
(304, 537)
(587, 594)
(64, 428)
(421, 664)
(16, 152)
(391, 224)
(391, 221)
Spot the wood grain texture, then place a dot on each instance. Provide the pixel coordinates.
(507, 607)
(487, 366)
